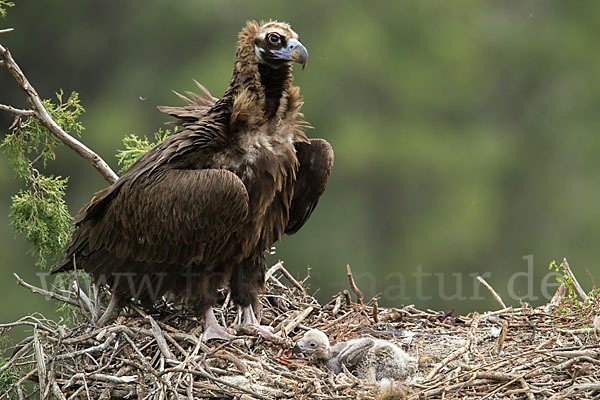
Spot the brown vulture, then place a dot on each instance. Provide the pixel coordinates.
(198, 211)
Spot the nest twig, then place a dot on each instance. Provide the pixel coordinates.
(160, 355)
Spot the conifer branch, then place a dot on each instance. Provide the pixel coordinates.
(45, 118)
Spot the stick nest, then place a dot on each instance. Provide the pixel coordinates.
(545, 352)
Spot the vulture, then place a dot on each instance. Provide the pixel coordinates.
(371, 359)
(197, 212)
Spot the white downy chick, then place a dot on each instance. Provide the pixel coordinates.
(370, 359)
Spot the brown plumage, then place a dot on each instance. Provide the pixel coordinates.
(198, 211)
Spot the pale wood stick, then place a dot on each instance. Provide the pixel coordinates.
(375, 311)
(17, 111)
(492, 291)
(40, 359)
(574, 282)
(43, 292)
(160, 339)
(502, 337)
(338, 304)
(297, 320)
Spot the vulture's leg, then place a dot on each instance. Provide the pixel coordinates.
(247, 281)
(212, 329)
(112, 311)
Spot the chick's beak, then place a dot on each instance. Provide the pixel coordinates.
(294, 51)
(297, 349)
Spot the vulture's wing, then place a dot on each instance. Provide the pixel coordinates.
(315, 159)
(355, 351)
(172, 218)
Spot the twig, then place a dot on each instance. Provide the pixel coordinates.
(57, 392)
(451, 357)
(347, 296)
(160, 339)
(46, 293)
(492, 291)
(204, 374)
(40, 359)
(297, 320)
(338, 304)
(45, 118)
(88, 350)
(279, 267)
(375, 311)
(353, 286)
(502, 337)
(17, 111)
(101, 378)
(527, 389)
(574, 282)
(6, 30)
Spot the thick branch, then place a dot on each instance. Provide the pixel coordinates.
(46, 119)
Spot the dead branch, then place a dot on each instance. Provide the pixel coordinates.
(45, 118)
(46, 293)
(578, 289)
(492, 291)
(353, 286)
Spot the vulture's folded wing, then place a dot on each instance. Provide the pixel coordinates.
(315, 159)
(173, 219)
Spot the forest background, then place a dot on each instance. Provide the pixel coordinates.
(465, 134)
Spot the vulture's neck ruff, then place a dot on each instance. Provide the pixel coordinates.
(275, 83)
(261, 86)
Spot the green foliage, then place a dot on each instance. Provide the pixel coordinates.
(571, 302)
(41, 215)
(136, 146)
(7, 376)
(3, 5)
(7, 381)
(39, 212)
(31, 137)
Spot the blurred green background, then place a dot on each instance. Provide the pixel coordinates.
(465, 133)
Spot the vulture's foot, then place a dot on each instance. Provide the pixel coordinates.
(248, 323)
(112, 311)
(212, 329)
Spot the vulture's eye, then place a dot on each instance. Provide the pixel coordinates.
(274, 38)
(312, 344)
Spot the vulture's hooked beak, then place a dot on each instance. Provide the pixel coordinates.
(294, 51)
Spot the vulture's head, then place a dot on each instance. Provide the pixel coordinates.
(274, 43)
(314, 342)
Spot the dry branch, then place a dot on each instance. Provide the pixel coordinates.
(46, 293)
(45, 118)
(576, 286)
(492, 291)
(353, 286)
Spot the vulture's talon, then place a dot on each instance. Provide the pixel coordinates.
(218, 332)
(266, 332)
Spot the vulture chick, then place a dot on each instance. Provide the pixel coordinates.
(371, 359)
(198, 211)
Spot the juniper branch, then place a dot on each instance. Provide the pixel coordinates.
(46, 119)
